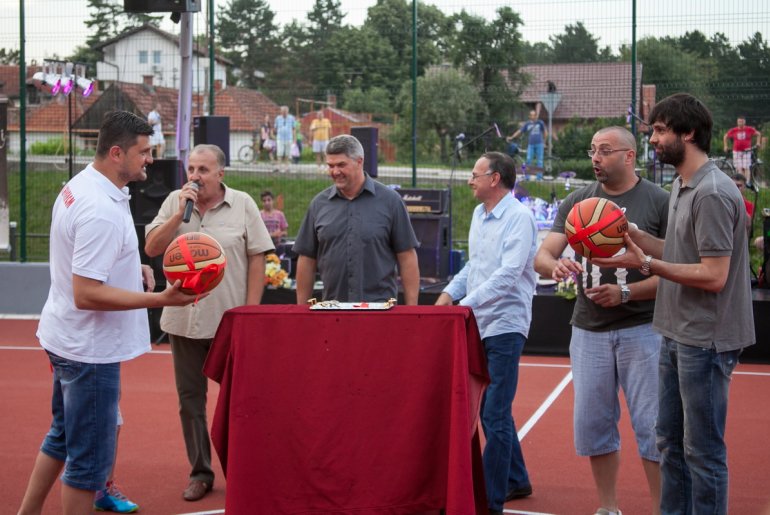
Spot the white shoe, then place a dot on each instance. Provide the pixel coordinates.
(605, 511)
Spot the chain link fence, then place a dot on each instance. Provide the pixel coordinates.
(479, 65)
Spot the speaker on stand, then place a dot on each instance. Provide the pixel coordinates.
(163, 177)
(213, 130)
(368, 138)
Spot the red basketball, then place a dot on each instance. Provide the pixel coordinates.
(595, 228)
(196, 259)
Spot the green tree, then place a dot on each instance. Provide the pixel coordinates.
(9, 56)
(577, 45)
(672, 69)
(357, 58)
(536, 53)
(392, 20)
(440, 116)
(247, 34)
(375, 100)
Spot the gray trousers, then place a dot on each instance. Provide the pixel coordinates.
(191, 386)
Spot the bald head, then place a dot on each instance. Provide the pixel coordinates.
(623, 136)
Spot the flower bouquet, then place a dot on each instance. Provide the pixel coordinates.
(567, 288)
(275, 276)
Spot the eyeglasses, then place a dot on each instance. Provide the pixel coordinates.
(475, 176)
(605, 152)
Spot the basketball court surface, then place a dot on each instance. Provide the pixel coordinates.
(152, 467)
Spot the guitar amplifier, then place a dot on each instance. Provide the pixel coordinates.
(425, 201)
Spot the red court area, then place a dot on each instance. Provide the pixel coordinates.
(152, 468)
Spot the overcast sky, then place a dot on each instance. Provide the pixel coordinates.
(56, 26)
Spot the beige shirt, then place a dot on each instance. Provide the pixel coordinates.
(236, 224)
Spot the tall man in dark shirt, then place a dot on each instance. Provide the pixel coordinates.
(354, 233)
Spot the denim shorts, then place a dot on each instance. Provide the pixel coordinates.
(603, 362)
(85, 414)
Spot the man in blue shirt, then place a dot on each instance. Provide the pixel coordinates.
(498, 283)
(536, 141)
(284, 136)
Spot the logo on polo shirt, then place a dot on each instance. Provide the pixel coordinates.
(67, 196)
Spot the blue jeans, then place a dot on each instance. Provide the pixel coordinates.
(694, 386)
(85, 414)
(504, 467)
(534, 149)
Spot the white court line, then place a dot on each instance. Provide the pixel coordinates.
(210, 512)
(519, 512)
(37, 347)
(544, 407)
(6, 316)
(546, 365)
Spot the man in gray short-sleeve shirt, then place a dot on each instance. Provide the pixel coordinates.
(703, 307)
(355, 233)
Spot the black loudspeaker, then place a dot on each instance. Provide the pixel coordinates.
(163, 177)
(153, 314)
(162, 6)
(213, 130)
(368, 138)
(766, 251)
(435, 237)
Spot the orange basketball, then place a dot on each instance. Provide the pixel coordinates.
(595, 228)
(196, 259)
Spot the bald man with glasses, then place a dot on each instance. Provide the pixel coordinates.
(613, 344)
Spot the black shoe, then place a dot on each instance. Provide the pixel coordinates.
(518, 493)
(495, 512)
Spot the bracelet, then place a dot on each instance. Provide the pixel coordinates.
(645, 268)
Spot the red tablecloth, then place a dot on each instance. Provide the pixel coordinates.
(349, 412)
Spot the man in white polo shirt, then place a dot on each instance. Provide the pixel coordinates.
(95, 315)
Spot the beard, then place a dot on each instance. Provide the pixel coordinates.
(672, 154)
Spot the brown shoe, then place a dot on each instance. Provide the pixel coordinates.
(196, 490)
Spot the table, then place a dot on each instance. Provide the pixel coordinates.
(349, 412)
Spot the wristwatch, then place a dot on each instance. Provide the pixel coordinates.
(625, 293)
(645, 268)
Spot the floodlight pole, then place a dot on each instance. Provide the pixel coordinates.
(184, 108)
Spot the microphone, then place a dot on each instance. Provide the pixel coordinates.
(188, 207)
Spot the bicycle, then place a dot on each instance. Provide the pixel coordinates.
(725, 164)
(756, 170)
(249, 154)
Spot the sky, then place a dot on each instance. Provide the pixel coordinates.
(56, 26)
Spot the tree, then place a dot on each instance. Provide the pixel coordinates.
(577, 45)
(536, 53)
(247, 34)
(357, 58)
(392, 21)
(375, 100)
(490, 54)
(9, 56)
(440, 116)
(324, 18)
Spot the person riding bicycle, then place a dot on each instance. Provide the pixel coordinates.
(741, 136)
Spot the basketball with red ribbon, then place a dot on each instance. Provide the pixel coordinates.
(595, 228)
(197, 259)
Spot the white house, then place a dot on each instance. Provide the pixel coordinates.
(150, 55)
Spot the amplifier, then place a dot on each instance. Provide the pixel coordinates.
(434, 202)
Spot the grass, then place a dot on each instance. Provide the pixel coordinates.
(297, 192)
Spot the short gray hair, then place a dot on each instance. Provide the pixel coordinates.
(345, 144)
(203, 147)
